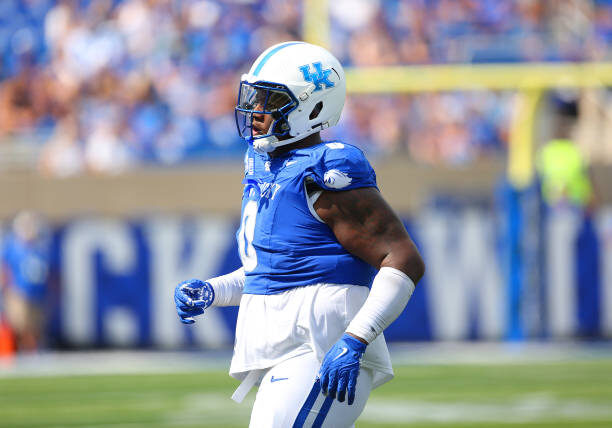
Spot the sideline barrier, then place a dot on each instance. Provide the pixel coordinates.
(114, 279)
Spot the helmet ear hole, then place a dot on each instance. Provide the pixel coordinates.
(281, 126)
(316, 110)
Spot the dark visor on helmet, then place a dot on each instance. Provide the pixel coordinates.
(258, 99)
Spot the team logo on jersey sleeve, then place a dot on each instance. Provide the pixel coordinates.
(336, 179)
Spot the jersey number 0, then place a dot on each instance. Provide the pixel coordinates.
(245, 236)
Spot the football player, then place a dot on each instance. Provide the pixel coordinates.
(326, 264)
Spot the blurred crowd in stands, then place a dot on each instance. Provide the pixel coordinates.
(392, 32)
(103, 85)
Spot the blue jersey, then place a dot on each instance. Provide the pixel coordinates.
(27, 265)
(282, 243)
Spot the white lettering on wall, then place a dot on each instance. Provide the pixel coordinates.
(211, 238)
(604, 228)
(82, 239)
(462, 268)
(561, 229)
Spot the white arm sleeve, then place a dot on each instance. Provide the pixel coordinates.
(228, 288)
(391, 290)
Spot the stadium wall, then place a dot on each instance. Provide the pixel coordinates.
(214, 188)
(113, 278)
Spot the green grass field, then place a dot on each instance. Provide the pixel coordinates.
(569, 394)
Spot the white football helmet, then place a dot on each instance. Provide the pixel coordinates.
(301, 86)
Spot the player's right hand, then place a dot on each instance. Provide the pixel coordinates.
(191, 297)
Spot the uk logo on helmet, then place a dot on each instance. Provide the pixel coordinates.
(319, 76)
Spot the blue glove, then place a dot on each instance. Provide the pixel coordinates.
(191, 298)
(340, 368)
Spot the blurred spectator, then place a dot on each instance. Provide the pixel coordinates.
(564, 171)
(564, 174)
(62, 155)
(109, 84)
(25, 259)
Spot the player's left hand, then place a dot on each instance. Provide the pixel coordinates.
(340, 368)
(191, 298)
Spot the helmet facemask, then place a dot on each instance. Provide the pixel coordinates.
(264, 105)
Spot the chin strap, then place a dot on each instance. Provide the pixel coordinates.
(269, 144)
(265, 145)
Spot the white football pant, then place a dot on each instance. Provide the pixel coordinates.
(289, 397)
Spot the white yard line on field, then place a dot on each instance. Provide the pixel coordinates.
(54, 363)
(217, 410)
(530, 408)
(451, 353)
(112, 362)
(214, 409)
